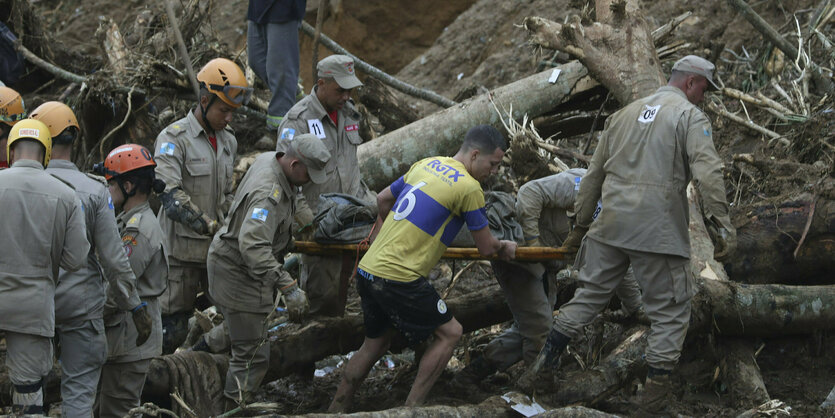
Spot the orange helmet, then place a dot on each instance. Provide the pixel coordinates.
(124, 159)
(226, 80)
(60, 119)
(11, 106)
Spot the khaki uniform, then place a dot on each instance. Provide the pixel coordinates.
(245, 267)
(80, 295)
(647, 155)
(542, 208)
(320, 274)
(124, 373)
(45, 219)
(204, 179)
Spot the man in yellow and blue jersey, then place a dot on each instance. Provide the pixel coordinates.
(423, 211)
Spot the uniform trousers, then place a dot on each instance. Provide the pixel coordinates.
(250, 351)
(273, 51)
(121, 387)
(666, 287)
(532, 309)
(320, 280)
(83, 353)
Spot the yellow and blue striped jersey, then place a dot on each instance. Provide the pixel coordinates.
(434, 199)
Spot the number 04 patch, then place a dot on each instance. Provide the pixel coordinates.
(648, 114)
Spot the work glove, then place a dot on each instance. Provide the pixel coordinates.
(574, 239)
(142, 322)
(724, 245)
(295, 300)
(212, 225)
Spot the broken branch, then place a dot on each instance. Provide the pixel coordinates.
(379, 74)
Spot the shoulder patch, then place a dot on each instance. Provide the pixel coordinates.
(133, 223)
(260, 214)
(706, 130)
(97, 178)
(287, 133)
(175, 129)
(129, 239)
(275, 194)
(648, 114)
(167, 148)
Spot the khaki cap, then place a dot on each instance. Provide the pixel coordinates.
(314, 154)
(697, 65)
(341, 69)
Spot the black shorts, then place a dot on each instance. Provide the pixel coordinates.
(413, 308)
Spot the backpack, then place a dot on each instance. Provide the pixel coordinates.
(343, 219)
(501, 216)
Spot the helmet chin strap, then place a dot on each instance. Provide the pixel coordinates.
(120, 182)
(204, 110)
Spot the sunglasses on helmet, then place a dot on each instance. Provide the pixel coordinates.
(235, 94)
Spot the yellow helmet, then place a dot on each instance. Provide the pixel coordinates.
(31, 129)
(60, 119)
(11, 106)
(226, 80)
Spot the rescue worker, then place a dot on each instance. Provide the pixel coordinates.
(246, 257)
(11, 111)
(648, 153)
(195, 157)
(45, 219)
(329, 114)
(129, 170)
(543, 207)
(423, 212)
(80, 295)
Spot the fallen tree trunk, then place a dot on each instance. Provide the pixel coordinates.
(618, 48)
(385, 159)
(740, 373)
(494, 406)
(771, 236)
(330, 336)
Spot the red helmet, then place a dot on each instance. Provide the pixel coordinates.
(123, 159)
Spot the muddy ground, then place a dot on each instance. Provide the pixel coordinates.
(456, 46)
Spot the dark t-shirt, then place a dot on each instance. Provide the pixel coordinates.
(275, 11)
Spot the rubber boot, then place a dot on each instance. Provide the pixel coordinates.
(28, 399)
(472, 374)
(656, 394)
(174, 331)
(546, 362)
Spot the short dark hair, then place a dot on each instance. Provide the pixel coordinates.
(485, 138)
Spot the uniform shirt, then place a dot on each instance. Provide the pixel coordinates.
(542, 206)
(186, 160)
(142, 243)
(433, 200)
(248, 250)
(81, 294)
(648, 153)
(42, 229)
(342, 140)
